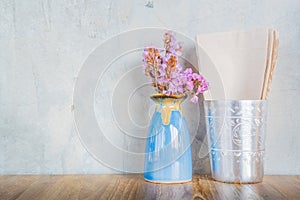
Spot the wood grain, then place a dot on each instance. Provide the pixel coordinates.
(90, 187)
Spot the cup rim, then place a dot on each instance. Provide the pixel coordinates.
(236, 100)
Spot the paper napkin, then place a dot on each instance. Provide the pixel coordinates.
(243, 63)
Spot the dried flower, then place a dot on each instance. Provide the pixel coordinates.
(166, 73)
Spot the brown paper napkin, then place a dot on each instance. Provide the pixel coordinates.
(271, 67)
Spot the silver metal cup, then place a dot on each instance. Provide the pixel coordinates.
(236, 137)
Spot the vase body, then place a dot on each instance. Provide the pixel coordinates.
(168, 156)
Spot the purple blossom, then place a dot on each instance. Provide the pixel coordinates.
(189, 85)
(163, 80)
(179, 67)
(162, 71)
(194, 99)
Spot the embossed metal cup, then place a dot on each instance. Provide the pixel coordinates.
(236, 137)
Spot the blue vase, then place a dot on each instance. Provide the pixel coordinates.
(168, 157)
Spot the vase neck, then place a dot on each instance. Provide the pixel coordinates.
(165, 106)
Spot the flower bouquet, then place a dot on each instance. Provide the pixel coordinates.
(167, 75)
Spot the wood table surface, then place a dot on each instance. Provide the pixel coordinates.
(62, 187)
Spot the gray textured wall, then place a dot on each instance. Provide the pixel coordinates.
(43, 44)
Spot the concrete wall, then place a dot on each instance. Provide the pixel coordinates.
(43, 44)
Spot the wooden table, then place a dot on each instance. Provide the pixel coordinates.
(134, 187)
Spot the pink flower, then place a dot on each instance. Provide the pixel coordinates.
(190, 85)
(162, 71)
(194, 99)
(162, 80)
